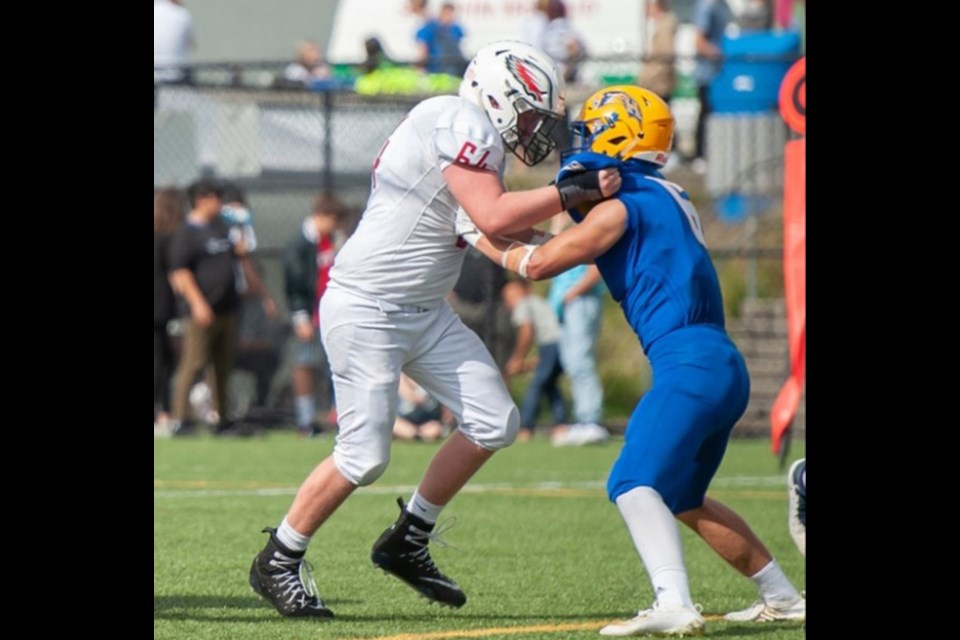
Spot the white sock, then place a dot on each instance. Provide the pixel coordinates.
(423, 509)
(291, 538)
(306, 408)
(774, 586)
(657, 539)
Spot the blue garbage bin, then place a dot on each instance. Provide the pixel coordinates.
(755, 63)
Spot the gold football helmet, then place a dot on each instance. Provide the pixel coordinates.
(624, 122)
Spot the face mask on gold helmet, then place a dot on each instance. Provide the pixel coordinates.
(624, 122)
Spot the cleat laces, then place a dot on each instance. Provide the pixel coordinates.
(420, 539)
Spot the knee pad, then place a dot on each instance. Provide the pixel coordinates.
(496, 431)
(361, 467)
(372, 474)
(512, 428)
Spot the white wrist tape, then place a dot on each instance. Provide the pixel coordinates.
(522, 267)
(522, 270)
(503, 256)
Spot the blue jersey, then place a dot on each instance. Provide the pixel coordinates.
(659, 270)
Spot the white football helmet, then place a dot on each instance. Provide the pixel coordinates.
(521, 89)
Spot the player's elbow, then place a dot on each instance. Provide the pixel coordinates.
(492, 224)
(538, 269)
(496, 217)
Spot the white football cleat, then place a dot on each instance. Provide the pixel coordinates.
(577, 435)
(761, 611)
(661, 620)
(797, 500)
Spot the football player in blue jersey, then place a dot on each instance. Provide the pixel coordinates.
(648, 244)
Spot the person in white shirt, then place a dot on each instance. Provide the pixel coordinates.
(533, 24)
(173, 37)
(437, 183)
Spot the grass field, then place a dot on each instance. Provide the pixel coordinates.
(537, 547)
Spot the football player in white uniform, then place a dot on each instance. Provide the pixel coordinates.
(436, 182)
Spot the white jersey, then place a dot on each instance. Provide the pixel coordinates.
(405, 250)
(172, 37)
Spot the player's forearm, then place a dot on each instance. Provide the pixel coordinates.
(497, 212)
(600, 230)
(537, 263)
(511, 254)
(514, 212)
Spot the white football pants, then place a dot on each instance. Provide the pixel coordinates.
(369, 342)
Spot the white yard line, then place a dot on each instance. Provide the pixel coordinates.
(499, 487)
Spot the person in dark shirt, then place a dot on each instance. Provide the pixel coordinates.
(202, 264)
(168, 214)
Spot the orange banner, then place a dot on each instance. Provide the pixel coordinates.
(793, 108)
(795, 285)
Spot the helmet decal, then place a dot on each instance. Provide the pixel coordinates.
(629, 104)
(532, 78)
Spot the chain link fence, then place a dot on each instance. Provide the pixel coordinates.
(284, 145)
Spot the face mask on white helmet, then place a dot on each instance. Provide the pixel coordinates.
(521, 90)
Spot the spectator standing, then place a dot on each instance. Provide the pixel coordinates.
(535, 321)
(258, 328)
(659, 71)
(533, 25)
(256, 310)
(575, 296)
(236, 212)
(711, 18)
(438, 42)
(202, 262)
(260, 339)
(564, 45)
(307, 259)
(168, 215)
(561, 41)
(173, 38)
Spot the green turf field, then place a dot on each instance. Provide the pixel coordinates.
(537, 547)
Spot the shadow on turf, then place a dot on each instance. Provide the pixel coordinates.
(739, 630)
(186, 607)
(193, 608)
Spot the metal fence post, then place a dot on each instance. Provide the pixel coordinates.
(752, 259)
(328, 141)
